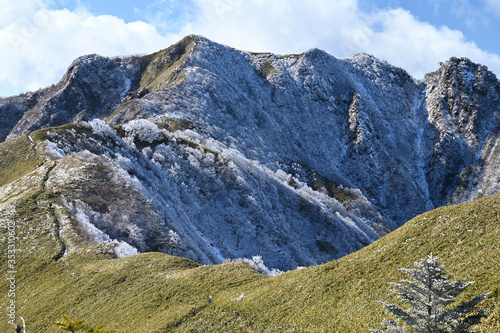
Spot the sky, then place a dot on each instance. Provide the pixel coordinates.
(40, 38)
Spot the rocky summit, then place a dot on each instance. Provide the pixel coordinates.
(212, 153)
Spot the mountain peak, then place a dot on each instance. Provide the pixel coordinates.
(315, 52)
(300, 159)
(462, 68)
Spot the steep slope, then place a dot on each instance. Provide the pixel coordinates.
(463, 103)
(171, 192)
(343, 120)
(93, 87)
(153, 292)
(212, 153)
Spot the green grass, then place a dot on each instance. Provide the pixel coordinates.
(17, 158)
(146, 293)
(268, 69)
(43, 134)
(154, 292)
(175, 124)
(164, 69)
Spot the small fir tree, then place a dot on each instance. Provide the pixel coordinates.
(429, 295)
(79, 326)
(67, 325)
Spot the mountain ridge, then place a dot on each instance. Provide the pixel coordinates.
(298, 158)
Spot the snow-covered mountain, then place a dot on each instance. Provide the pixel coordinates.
(211, 153)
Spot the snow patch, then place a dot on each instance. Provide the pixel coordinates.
(91, 232)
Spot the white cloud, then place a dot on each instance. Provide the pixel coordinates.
(418, 46)
(167, 15)
(282, 26)
(38, 47)
(22, 10)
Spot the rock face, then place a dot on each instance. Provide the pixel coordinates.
(464, 108)
(212, 153)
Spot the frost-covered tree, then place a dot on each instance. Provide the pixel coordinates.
(172, 242)
(257, 263)
(429, 294)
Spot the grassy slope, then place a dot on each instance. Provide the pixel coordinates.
(165, 67)
(153, 292)
(17, 158)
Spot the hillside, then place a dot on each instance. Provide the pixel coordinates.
(154, 292)
(126, 186)
(209, 153)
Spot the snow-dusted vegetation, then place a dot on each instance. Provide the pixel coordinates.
(258, 264)
(197, 198)
(211, 153)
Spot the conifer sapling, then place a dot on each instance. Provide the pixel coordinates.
(429, 294)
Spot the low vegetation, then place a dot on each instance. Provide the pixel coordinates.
(66, 324)
(165, 69)
(154, 292)
(17, 158)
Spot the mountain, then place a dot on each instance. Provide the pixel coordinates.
(210, 153)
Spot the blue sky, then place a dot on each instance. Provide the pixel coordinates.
(40, 38)
(478, 20)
